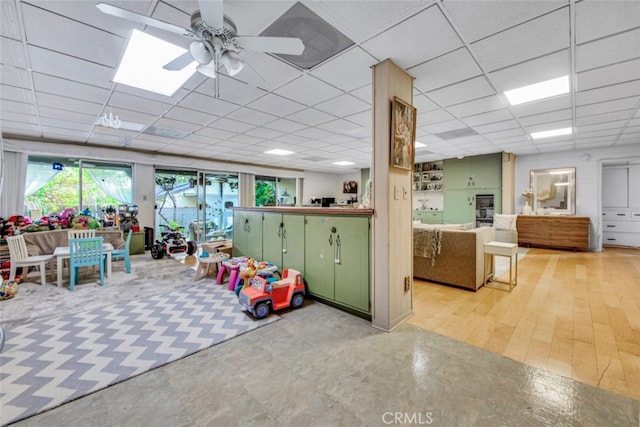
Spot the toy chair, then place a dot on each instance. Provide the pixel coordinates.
(75, 233)
(124, 253)
(19, 257)
(82, 253)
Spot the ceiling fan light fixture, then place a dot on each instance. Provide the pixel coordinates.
(232, 62)
(199, 52)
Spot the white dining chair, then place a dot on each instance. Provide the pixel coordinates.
(19, 257)
(81, 233)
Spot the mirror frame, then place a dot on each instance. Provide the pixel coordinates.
(568, 178)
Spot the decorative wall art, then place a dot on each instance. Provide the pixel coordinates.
(403, 134)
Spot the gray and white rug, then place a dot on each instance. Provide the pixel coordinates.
(52, 358)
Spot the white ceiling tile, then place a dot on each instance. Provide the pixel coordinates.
(8, 116)
(363, 93)
(207, 140)
(145, 94)
(422, 103)
(552, 116)
(14, 76)
(433, 117)
(498, 126)
(264, 133)
(275, 104)
(313, 133)
(18, 107)
(600, 133)
(231, 125)
(292, 139)
(73, 116)
(363, 118)
(500, 135)
(207, 104)
(474, 88)
(596, 19)
(445, 70)
(310, 117)
(67, 67)
(601, 126)
(190, 116)
(250, 116)
(490, 117)
(20, 128)
(609, 50)
(481, 105)
(284, 125)
(621, 90)
(349, 70)
(215, 133)
(123, 100)
(275, 72)
(608, 106)
(77, 40)
(68, 134)
(343, 105)
(13, 53)
(444, 126)
(404, 43)
(338, 126)
(69, 104)
(556, 103)
(9, 22)
(536, 70)
(612, 74)
(549, 126)
(308, 90)
(231, 90)
(69, 88)
(549, 32)
(601, 118)
(246, 140)
(479, 19)
(18, 94)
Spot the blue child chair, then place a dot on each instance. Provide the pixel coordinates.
(82, 253)
(123, 253)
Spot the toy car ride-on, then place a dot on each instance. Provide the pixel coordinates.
(265, 295)
(173, 242)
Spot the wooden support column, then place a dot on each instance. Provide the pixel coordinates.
(392, 236)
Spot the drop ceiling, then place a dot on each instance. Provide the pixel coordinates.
(58, 59)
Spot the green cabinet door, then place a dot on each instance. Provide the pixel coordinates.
(293, 242)
(319, 256)
(487, 171)
(457, 174)
(459, 206)
(272, 227)
(247, 234)
(352, 262)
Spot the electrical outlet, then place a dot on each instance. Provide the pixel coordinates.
(407, 283)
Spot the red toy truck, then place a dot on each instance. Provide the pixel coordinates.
(264, 295)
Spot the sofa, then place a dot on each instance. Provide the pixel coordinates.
(460, 261)
(45, 242)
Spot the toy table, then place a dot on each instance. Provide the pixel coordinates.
(205, 264)
(232, 265)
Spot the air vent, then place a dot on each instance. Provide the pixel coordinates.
(321, 40)
(166, 133)
(456, 133)
(315, 159)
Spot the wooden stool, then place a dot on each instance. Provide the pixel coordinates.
(509, 250)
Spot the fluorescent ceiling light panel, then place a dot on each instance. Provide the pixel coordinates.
(279, 152)
(537, 91)
(343, 163)
(420, 144)
(550, 133)
(142, 63)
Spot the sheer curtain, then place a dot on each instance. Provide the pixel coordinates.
(38, 175)
(115, 183)
(14, 170)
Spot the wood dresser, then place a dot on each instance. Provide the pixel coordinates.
(553, 231)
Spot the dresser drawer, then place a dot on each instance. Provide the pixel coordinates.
(635, 215)
(621, 239)
(616, 214)
(621, 226)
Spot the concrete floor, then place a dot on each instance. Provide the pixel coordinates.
(318, 366)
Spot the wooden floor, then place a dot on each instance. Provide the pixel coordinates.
(573, 313)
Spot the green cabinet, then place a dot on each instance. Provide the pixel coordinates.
(474, 172)
(337, 260)
(428, 217)
(136, 245)
(247, 234)
(283, 240)
(460, 205)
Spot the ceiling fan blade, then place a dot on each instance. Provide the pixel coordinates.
(136, 17)
(208, 70)
(286, 45)
(249, 75)
(179, 63)
(212, 13)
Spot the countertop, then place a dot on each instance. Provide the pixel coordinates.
(307, 210)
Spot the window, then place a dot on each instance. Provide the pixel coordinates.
(54, 184)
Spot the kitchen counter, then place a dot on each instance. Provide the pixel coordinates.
(307, 210)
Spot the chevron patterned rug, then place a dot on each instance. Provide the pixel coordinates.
(51, 361)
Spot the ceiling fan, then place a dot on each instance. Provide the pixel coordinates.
(215, 41)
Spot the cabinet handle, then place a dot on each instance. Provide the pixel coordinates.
(280, 230)
(330, 239)
(611, 226)
(338, 249)
(284, 241)
(620, 214)
(611, 239)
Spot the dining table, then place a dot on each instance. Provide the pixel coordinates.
(63, 252)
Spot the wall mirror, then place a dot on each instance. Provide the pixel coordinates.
(554, 191)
